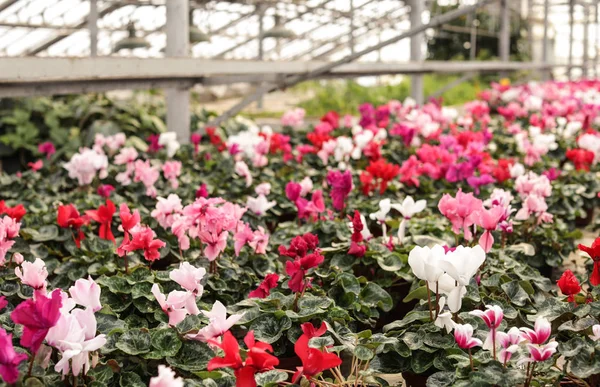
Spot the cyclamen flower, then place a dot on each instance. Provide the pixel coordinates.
(166, 378)
(143, 239)
(104, 215)
(84, 166)
(539, 353)
(408, 208)
(444, 318)
(264, 289)
(37, 317)
(594, 253)
(489, 221)
(68, 217)
(202, 192)
(341, 186)
(378, 174)
(219, 323)
(86, 292)
(314, 361)
(596, 332)
(9, 358)
(492, 317)
(129, 221)
(47, 148)
(169, 141)
(16, 213)
(167, 210)
(36, 166)
(171, 171)
(260, 241)
(263, 189)
(509, 342)
(241, 168)
(105, 190)
(259, 205)
(189, 277)
(177, 305)
(146, 174)
(463, 334)
(258, 359)
(33, 274)
(540, 333)
(297, 269)
(569, 285)
(461, 210)
(384, 208)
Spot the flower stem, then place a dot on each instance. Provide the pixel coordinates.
(437, 298)
(471, 360)
(30, 365)
(530, 376)
(429, 301)
(494, 341)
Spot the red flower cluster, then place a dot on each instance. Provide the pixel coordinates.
(215, 139)
(569, 285)
(581, 158)
(264, 289)
(378, 174)
(303, 261)
(314, 361)
(104, 215)
(501, 172)
(357, 237)
(594, 252)
(258, 358)
(17, 212)
(68, 217)
(332, 118)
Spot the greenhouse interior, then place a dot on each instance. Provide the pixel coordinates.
(304, 193)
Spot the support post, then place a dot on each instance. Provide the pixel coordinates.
(545, 42)
(596, 39)
(473, 23)
(93, 28)
(416, 52)
(178, 99)
(352, 27)
(571, 37)
(586, 41)
(529, 19)
(504, 43)
(260, 10)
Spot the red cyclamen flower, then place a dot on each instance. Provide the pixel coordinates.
(581, 158)
(143, 239)
(258, 359)
(594, 252)
(264, 289)
(68, 217)
(103, 215)
(37, 317)
(314, 361)
(569, 285)
(17, 212)
(378, 174)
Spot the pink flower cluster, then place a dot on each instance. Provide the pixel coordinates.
(293, 118)
(533, 190)
(9, 230)
(211, 221)
(85, 165)
(296, 192)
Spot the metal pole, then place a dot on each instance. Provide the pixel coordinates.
(586, 54)
(545, 56)
(261, 47)
(530, 29)
(472, 19)
(178, 99)
(292, 80)
(93, 27)
(504, 46)
(597, 39)
(352, 27)
(416, 51)
(571, 36)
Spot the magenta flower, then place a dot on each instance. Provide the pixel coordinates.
(202, 192)
(47, 148)
(37, 317)
(341, 186)
(9, 359)
(477, 181)
(195, 139)
(105, 190)
(462, 211)
(509, 342)
(153, 145)
(492, 317)
(540, 333)
(463, 334)
(541, 352)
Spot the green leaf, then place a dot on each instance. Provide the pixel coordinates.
(193, 357)
(271, 378)
(390, 363)
(349, 283)
(583, 365)
(515, 293)
(135, 342)
(375, 296)
(421, 361)
(579, 325)
(268, 328)
(419, 293)
(320, 342)
(130, 379)
(363, 353)
(166, 342)
(441, 379)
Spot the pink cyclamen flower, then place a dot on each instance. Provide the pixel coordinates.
(489, 220)
(463, 334)
(147, 174)
(595, 336)
(341, 186)
(461, 210)
(241, 169)
(260, 205)
(47, 148)
(9, 358)
(177, 305)
(36, 166)
(105, 190)
(189, 277)
(219, 323)
(242, 236)
(3, 302)
(509, 342)
(260, 241)
(202, 192)
(37, 317)
(33, 274)
(18, 258)
(171, 171)
(492, 317)
(86, 293)
(541, 352)
(166, 378)
(263, 189)
(195, 139)
(215, 243)
(167, 210)
(540, 333)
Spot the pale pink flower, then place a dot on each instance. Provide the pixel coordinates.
(509, 342)
(126, 155)
(147, 174)
(166, 378)
(33, 274)
(215, 243)
(171, 171)
(260, 241)
(167, 210)
(595, 336)
(189, 277)
(241, 168)
(259, 205)
(306, 186)
(263, 189)
(242, 236)
(18, 258)
(85, 165)
(492, 317)
(293, 118)
(176, 305)
(86, 293)
(219, 323)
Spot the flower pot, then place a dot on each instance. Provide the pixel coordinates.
(583, 222)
